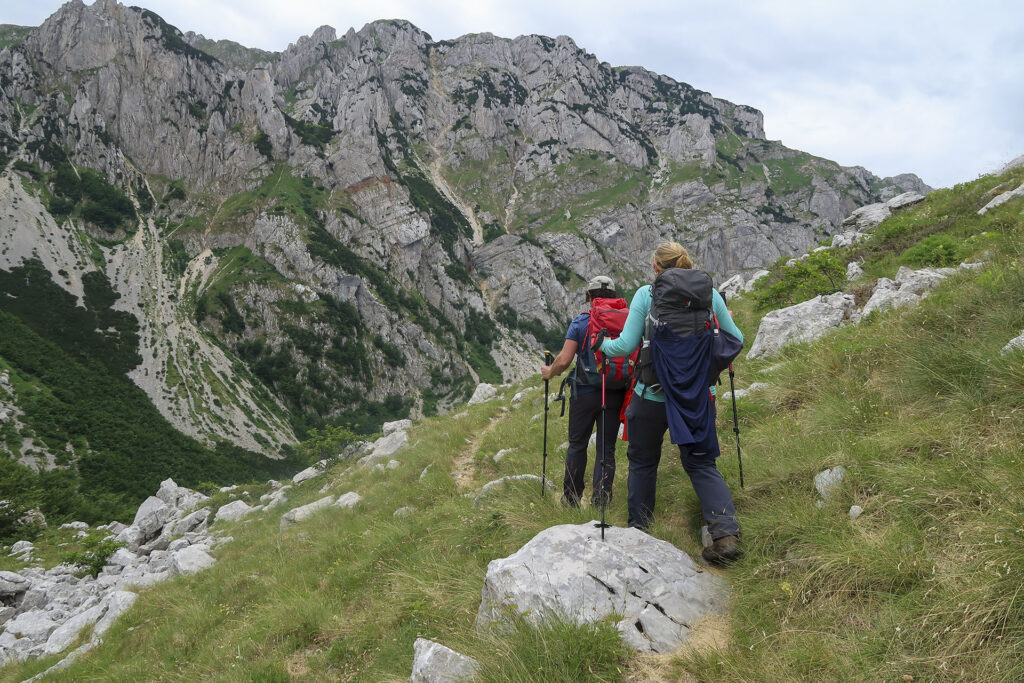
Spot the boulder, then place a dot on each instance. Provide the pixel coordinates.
(131, 537)
(191, 560)
(233, 511)
(12, 583)
(909, 287)
(348, 500)
(114, 605)
(36, 625)
(483, 393)
(491, 485)
(303, 512)
(385, 447)
(1015, 344)
(435, 663)
(66, 633)
(754, 277)
(1002, 199)
(853, 271)
(179, 497)
(151, 516)
(195, 521)
(123, 557)
(801, 323)
(309, 472)
(657, 590)
(740, 393)
(396, 426)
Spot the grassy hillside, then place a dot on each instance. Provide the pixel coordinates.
(918, 405)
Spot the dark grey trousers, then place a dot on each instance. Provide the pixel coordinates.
(646, 426)
(584, 415)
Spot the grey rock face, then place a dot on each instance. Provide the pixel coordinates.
(455, 182)
(801, 323)
(1001, 199)
(434, 663)
(568, 570)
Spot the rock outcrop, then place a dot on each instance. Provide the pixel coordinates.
(568, 571)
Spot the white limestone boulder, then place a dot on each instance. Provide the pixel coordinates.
(151, 516)
(396, 426)
(384, 447)
(484, 392)
(569, 571)
(492, 485)
(233, 511)
(36, 625)
(434, 663)
(1002, 199)
(348, 500)
(909, 287)
(179, 497)
(310, 472)
(803, 322)
(66, 633)
(304, 512)
(12, 583)
(191, 560)
(195, 521)
(1015, 344)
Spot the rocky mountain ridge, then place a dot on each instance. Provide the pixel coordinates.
(357, 227)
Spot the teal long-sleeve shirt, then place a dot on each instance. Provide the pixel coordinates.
(633, 331)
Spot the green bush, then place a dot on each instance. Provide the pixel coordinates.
(935, 250)
(819, 273)
(93, 555)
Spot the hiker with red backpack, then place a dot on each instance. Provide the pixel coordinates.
(598, 387)
(687, 335)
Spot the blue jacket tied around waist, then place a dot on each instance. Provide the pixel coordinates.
(683, 365)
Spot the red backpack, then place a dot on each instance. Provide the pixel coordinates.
(609, 315)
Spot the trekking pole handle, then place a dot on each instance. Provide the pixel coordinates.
(601, 335)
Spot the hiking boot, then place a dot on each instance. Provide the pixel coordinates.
(723, 551)
(570, 502)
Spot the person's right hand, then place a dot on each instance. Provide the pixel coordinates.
(545, 372)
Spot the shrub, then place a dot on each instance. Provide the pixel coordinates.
(94, 554)
(935, 250)
(819, 273)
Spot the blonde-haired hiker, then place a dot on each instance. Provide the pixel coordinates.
(682, 299)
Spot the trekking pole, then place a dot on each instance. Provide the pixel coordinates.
(735, 421)
(600, 442)
(548, 360)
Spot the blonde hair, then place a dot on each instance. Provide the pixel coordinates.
(671, 255)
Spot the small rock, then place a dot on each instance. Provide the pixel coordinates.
(828, 481)
(500, 455)
(404, 511)
(435, 663)
(855, 511)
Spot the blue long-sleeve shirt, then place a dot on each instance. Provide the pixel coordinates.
(633, 331)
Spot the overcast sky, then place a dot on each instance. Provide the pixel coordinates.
(934, 88)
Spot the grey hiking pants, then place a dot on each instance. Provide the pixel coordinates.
(646, 426)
